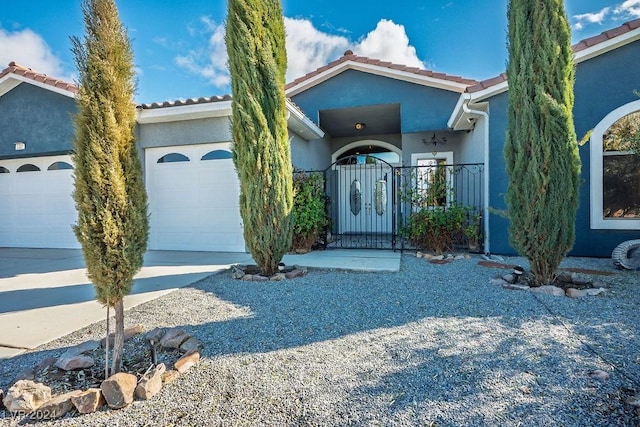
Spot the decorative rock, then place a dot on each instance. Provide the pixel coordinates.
(88, 401)
(191, 345)
(57, 407)
(118, 389)
(26, 396)
(46, 364)
(169, 376)
(237, 272)
(633, 401)
(186, 362)
(594, 292)
(79, 349)
(516, 287)
(576, 293)
(510, 278)
(75, 362)
(155, 335)
(27, 374)
(549, 290)
(460, 257)
(419, 254)
(438, 257)
(564, 276)
(247, 278)
(151, 383)
(278, 277)
(599, 374)
(499, 282)
(174, 338)
(294, 273)
(580, 279)
(128, 334)
(260, 278)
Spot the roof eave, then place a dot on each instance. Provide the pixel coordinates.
(10, 80)
(423, 80)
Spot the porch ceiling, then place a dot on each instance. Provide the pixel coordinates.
(378, 120)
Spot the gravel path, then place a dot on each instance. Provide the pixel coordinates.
(432, 345)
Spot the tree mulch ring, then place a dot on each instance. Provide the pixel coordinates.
(493, 264)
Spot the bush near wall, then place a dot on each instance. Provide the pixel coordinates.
(309, 214)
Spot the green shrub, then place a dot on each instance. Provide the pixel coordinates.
(437, 228)
(309, 215)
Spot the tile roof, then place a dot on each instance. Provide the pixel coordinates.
(181, 102)
(580, 46)
(20, 70)
(350, 56)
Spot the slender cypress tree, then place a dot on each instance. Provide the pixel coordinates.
(109, 190)
(257, 61)
(541, 150)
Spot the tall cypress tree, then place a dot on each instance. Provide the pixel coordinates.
(541, 150)
(257, 61)
(109, 191)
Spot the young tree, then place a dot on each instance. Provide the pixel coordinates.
(109, 190)
(257, 61)
(541, 150)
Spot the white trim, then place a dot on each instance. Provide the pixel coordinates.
(596, 164)
(12, 80)
(607, 46)
(448, 156)
(184, 112)
(301, 124)
(374, 142)
(380, 71)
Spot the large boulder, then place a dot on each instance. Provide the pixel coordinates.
(26, 396)
(58, 406)
(88, 401)
(118, 389)
(151, 383)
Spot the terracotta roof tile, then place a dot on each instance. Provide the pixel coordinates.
(581, 45)
(349, 56)
(20, 70)
(183, 102)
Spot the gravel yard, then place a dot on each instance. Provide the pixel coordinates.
(432, 345)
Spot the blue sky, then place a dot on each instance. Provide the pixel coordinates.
(179, 47)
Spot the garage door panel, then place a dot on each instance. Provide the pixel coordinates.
(38, 206)
(193, 205)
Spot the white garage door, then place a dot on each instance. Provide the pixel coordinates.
(193, 199)
(37, 209)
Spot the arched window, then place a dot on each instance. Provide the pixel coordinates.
(3, 169)
(57, 166)
(173, 158)
(28, 167)
(615, 170)
(217, 155)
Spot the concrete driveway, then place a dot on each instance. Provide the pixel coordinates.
(45, 293)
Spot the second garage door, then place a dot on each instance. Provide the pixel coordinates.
(193, 198)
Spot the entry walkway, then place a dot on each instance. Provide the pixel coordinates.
(45, 293)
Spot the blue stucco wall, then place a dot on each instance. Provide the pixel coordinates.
(602, 84)
(41, 118)
(422, 107)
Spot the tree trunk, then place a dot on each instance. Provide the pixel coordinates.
(118, 338)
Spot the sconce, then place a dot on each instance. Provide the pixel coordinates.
(360, 126)
(18, 146)
(435, 141)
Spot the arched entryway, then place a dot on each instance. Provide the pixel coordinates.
(361, 186)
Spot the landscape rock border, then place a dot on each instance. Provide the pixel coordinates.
(251, 273)
(32, 399)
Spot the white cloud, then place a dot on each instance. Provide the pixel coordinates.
(307, 49)
(29, 49)
(590, 18)
(389, 42)
(209, 62)
(630, 9)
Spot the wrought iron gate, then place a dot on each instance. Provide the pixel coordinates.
(362, 208)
